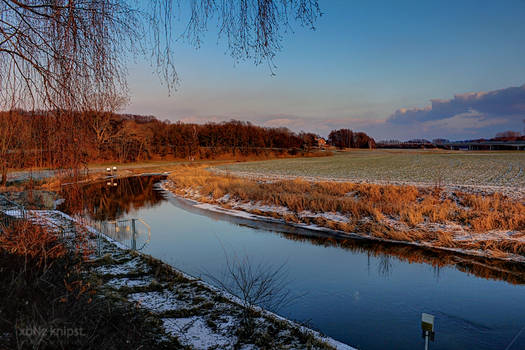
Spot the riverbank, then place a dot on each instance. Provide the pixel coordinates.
(186, 312)
(346, 277)
(489, 226)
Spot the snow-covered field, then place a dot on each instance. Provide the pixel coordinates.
(496, 171)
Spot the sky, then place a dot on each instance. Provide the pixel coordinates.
(393, 69)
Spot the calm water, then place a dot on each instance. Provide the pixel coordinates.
(368, 295)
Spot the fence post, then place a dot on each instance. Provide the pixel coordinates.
(133, 239)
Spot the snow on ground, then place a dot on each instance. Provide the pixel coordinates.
(252, 210)
(198, 315)
(134, 265)
(14, 213)
(198, 334)
(129, 282)
(160, 301)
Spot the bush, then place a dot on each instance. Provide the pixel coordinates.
(48, 303)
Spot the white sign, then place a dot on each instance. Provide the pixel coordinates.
(427, 322)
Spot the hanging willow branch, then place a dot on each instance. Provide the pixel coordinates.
(72, 54)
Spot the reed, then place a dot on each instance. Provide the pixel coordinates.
(409, 205)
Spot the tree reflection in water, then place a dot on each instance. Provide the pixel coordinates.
(101, 202)
(495, 269)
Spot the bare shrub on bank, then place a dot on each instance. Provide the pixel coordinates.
(261, 284)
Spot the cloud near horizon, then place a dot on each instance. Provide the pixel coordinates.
(468, 115)
(498, 103)
(472, 114)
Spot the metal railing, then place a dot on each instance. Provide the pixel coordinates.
(123, 231)
(10, 212)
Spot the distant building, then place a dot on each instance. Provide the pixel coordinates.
(321, 142)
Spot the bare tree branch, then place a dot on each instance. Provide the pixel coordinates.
(68, 51)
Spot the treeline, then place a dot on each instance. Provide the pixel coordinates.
(506, 136)
(509, 136)
(346, 138)
(55, 139)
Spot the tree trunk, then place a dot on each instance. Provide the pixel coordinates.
(4, 175)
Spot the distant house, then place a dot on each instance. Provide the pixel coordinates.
(321, 143)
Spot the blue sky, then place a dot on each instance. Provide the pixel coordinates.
(366, 63)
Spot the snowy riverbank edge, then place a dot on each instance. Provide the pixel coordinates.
(340, 234)
(174, 329)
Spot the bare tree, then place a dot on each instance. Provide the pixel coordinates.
(256, 285)
(60, 54)
(69, 57)
(10, 127)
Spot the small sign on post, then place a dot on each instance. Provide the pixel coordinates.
(427, 326)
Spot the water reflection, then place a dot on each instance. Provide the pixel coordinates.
(102, 203)
(481, 267)
(351, 284)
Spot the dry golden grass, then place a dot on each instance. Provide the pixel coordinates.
(32, 242)
(412, 206)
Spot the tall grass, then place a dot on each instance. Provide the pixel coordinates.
(412, 206)
(45, 286)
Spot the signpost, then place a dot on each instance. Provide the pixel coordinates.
(427, 326)
(111, 171)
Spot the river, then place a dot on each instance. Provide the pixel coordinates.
(367, 294)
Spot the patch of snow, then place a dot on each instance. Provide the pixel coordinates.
(158, 301)
(225, 198)
(16, 213)
(193, 331)
(332, 216)
(129, 282)
(122, 269)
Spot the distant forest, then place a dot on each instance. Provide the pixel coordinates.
(52, 139)
(505, 136)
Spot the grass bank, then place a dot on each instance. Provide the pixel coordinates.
(65, 287)
(48, 303)
(491, 225)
